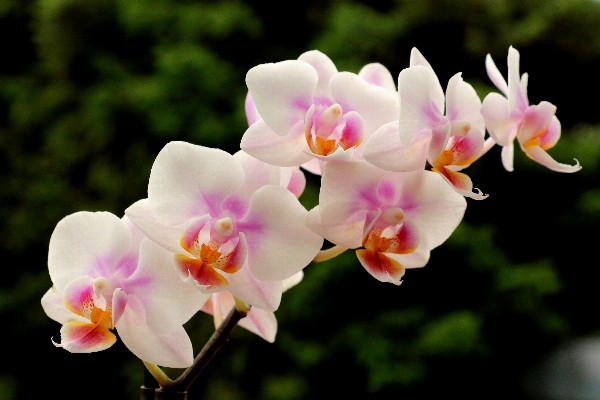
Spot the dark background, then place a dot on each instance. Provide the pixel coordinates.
(91, 90)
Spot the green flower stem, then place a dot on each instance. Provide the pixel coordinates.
(328, 254)
(158, 374)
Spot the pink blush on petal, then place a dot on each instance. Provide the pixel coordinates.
(127, 265)
(236, 206)
(206, 204)
(386, 191)
(102, 266)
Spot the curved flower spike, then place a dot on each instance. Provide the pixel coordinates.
(107, 276)
(535, 127)
(450, 141)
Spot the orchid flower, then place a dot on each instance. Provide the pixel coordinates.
(229, 221)
(536, 127)
(450, 142)
(396, 217)
(258, 321)
(310, 113)
(107, 275)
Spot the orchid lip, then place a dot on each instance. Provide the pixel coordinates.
(327, 130)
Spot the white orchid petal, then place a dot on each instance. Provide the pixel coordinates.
(168, 301)
(325, 70)
(282, 92)
(495, 75)
(172, 349)
(384, 150)
(262, 142)
(376, 105)
(189, 181)
(279, 244)
(54, 307)
(378, 75)
(244, 286)
(86, 243)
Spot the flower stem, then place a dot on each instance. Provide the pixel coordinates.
(219, 338)
(158, 374)
(328, 254)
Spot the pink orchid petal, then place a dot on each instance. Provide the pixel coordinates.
(78, 296)
(417, 58)
(262, 142)
(346, 235)
(536, 121)
(189, 236)
(314, 166)
(416, 259)
(347, 189)
(189, 181)
(172, 349)
(292, 281)
(467, 149)
(168, 300)
(244, 286)
(540, 155)
(85, 337)
(507, 155)
(523, 87)
(371, 219)
(353, 132)
(86, 243)
(233, 261)
(54, 307)
(377, 106)
(495, 75)
(501, 127)
(550, 137)
(119, 301)
(325, 70)
(202, 274)
(463, 103)
(405, 241)
(251, 112)
(297, 182)
(487, 146)
(282, 92)
(257, 174)
(169, 237)
(279, 244)
(260, 322)
(516, 100)
(418, 108)
(439, 139)
(339, 155)
(136, 236)
(380, 266)
(460, 182)
(223, 302)
(432, 205)
(384, 150)
(378, 75)
(436, 92)
(208, 307)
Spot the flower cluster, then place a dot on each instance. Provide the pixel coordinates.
(220, 229)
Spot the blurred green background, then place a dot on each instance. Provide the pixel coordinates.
(91, 90)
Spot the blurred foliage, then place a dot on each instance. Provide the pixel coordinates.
(91, 90)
